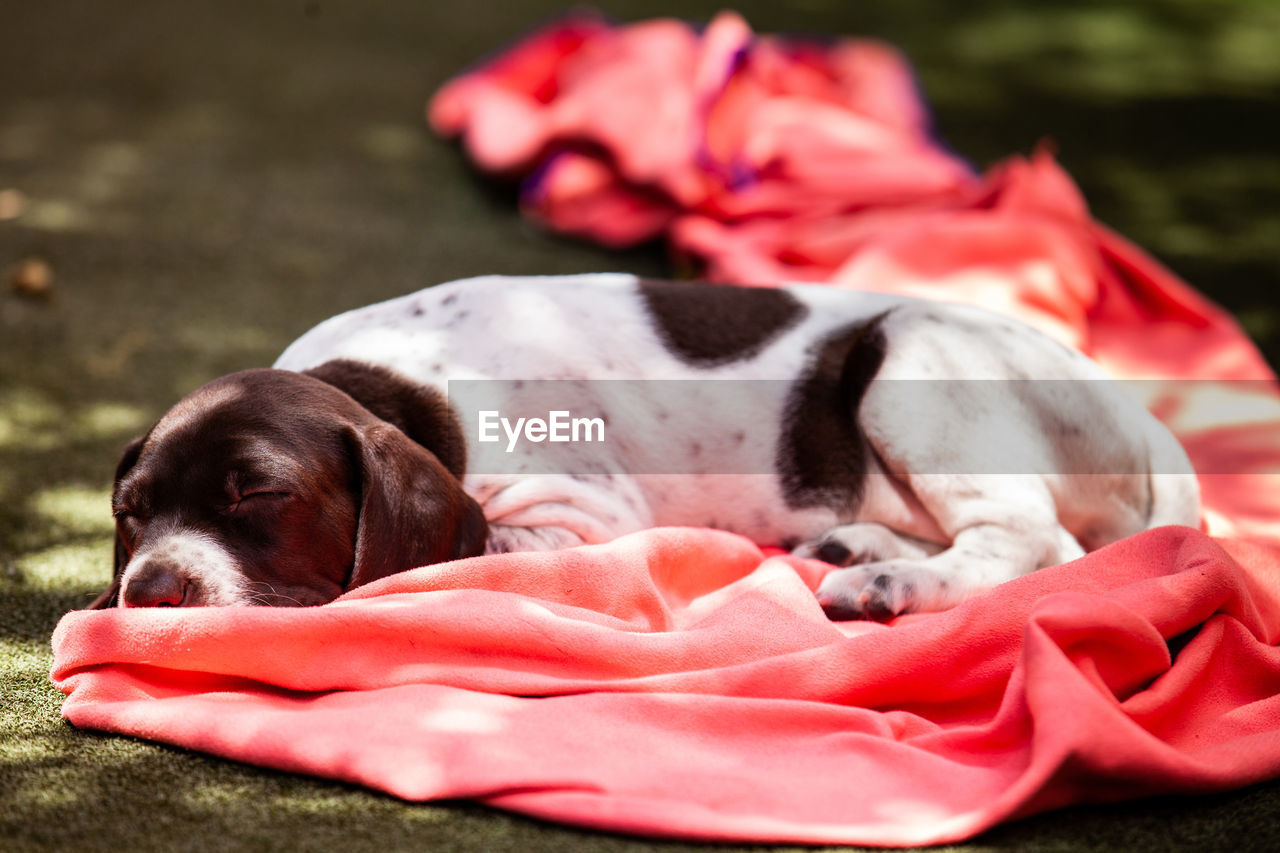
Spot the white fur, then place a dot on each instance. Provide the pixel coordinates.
(199, 559)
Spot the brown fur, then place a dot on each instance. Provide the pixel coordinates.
(824, 455)
(710, 324)
(343, 497)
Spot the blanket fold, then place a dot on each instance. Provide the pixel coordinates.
(733, 711)
(683, 683)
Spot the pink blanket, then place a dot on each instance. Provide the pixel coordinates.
(679, 682)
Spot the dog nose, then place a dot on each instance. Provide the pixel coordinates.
(155, 584)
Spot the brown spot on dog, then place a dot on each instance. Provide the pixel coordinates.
(823, 453)
(711, 324)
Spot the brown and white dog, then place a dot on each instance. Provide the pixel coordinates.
(933, 450)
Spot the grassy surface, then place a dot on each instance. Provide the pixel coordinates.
(207, 180)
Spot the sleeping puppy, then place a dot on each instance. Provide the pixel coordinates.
(931, 451)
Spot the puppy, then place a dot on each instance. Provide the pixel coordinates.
(931, 451)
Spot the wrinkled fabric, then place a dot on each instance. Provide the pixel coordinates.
(676, 682)
(683, 683)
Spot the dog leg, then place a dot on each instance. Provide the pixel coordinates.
(505, 538)
(865, 542)
(552, 512)
(1000, 530)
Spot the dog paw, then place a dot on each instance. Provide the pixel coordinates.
(862, 542)
(879, 590)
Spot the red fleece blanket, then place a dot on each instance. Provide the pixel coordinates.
(679, 682)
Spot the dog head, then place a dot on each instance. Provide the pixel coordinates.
(274, 487)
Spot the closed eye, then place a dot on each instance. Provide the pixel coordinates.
(128, 524)
(125, 513)
(265, 499)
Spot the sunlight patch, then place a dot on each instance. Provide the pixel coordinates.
(105, 420)
(76, 509)
(69, 567)
(27, 419)
(55, 214)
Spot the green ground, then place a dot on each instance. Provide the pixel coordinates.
(207, 180)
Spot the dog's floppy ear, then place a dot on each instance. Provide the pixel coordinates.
(419, 411)
(111, 595)
(413, 511)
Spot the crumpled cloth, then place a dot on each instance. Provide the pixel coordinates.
(676, 682)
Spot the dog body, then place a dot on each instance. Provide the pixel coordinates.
(933, 450)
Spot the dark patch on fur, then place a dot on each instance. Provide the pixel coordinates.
(419, 411)
(713, 324)
(835, 553)
(1061, 428)
(823, 454)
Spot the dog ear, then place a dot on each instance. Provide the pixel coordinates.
(111, 595)
(419, 411)
(413, 511)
